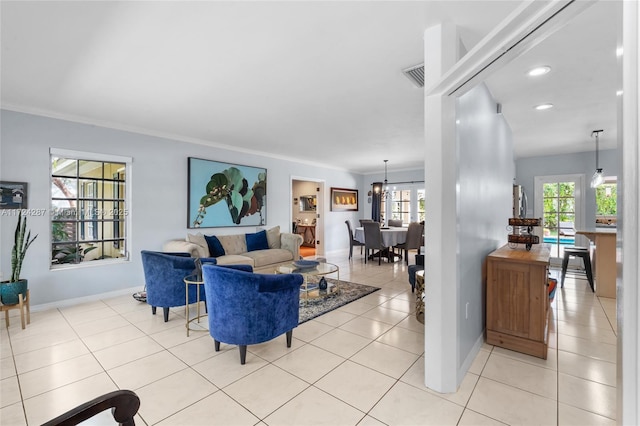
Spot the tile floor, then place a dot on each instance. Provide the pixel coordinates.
(362, 364)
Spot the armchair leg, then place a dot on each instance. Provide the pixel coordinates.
(153, 310)
(243, 353)
(217, 345)
(289, 338)
(165, 311)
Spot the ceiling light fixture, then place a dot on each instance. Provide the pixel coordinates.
(619, 93)
(619, 51)
(597, 179)
(383, 188)
(539, 71)
(543, 106)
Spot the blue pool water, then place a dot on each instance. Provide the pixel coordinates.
(563, 241)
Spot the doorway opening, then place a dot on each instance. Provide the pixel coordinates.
(306, 219)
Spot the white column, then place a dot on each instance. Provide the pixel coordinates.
(441, 270)
(628, 300)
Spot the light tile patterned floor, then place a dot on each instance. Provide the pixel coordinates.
(362, 364)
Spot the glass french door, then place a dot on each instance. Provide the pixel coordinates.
(559, 202)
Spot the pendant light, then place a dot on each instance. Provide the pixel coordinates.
(597, 179)
(385, 188)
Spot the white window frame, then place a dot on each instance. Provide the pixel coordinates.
(580, 206)
(413, 205)
(108, 158)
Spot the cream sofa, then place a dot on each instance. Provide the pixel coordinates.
(283, 248)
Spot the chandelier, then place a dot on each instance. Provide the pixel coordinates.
(597, 179)
(383, 188)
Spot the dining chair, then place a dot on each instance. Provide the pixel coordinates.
(352, 240)
(362, 221)
(414, 240)
(373, 240)
(395, 223)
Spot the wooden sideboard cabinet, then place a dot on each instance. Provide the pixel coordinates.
(518, 299)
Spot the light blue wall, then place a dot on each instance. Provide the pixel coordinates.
(583, 163)
(485, 176)
(159, 197)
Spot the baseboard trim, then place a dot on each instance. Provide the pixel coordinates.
(79, 300)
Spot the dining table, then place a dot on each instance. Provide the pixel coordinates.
(391, 236)
(605, 259)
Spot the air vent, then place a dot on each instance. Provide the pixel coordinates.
(415, 74)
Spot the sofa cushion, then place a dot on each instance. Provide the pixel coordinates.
(199, 240)
(215, 247)
(268, 257)
(273, 237)
(233, 244)
(257, 241)
(234, 259)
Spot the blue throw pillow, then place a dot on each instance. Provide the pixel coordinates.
(215, 246)
(257, 241)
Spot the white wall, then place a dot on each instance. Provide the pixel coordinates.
(159, 197)
(484, 197)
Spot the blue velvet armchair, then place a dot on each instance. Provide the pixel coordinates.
(247, 308)
(163, 276)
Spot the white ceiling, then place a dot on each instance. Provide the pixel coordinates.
(313, 81)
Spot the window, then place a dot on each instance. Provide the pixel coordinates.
(607, 202)
(559, 201)
(401, 205)
(406, 202)
(421, 205)
(559, 214)
(89, 207)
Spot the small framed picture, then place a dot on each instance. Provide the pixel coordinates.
(13, 195)
(344, 200)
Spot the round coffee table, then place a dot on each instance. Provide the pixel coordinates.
(310, 289)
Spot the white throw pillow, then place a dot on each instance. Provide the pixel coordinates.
(273, 237)
(199, 240)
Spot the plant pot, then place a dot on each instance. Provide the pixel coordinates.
(9, 291)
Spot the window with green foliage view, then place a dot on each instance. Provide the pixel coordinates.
(607, 199)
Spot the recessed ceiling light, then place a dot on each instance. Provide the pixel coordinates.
(543, 106)
(619, 93)
(619, 51)
(539, 71)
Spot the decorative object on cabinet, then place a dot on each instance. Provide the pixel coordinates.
(243, 188)
(344, 200)
(521, 232)
(518, 299)
(13, 195)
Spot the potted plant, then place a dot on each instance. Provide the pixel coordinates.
(9, 290)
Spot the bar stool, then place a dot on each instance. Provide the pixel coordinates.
(583, 253)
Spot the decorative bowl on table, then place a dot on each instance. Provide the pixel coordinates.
(305, 264)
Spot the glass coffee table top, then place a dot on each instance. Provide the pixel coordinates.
(311, 288)
(319, 269)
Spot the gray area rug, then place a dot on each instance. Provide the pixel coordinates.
(347, 294)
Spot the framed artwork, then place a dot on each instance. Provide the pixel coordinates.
(13, 195)
(225, 195)
(344, 200)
